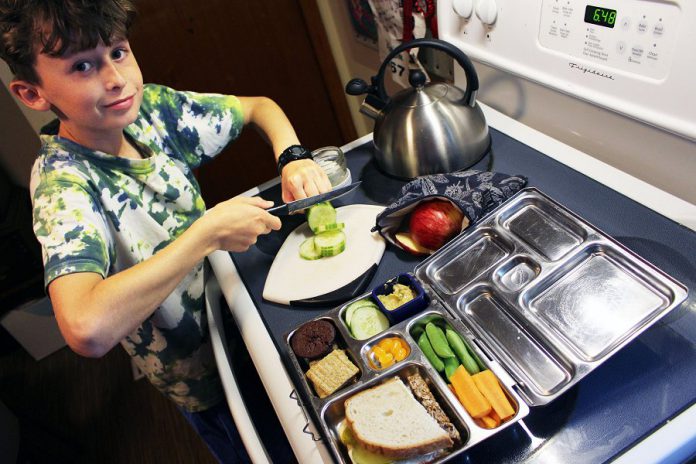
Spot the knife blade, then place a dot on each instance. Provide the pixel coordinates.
(297, 205)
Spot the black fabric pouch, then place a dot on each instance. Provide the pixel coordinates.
(475, 193)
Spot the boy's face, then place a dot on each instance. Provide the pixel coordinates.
(94, 91)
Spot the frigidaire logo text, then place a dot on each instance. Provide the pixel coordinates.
(585, 70)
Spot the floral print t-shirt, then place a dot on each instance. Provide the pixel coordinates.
(94, 212)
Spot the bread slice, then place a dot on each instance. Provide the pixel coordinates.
(388, 420)
(419, 388)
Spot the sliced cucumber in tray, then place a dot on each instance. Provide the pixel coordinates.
(350, 310)
(368, 321)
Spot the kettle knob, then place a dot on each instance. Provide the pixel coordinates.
(416, 78)
(357, 87)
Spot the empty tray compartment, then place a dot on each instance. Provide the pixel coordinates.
(535, 364)
(549, 231)
(516, 273)
(598, 299)
(468, 259)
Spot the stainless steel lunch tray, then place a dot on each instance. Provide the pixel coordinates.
(541, 295)
(549, 294)
(329, 412)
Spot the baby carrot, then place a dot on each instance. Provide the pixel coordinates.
(489, 422)
(470, 397)
(487, 384)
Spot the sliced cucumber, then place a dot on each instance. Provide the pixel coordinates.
(354, 306)
(308, 250)
(330, 243)
(329, 227)
(329, 239)
(321, 215)
(368, 321)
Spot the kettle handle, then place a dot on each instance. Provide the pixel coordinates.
(472, 82)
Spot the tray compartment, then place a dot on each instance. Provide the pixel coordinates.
(334, 411)
(416, 330)
(467, 260)
(549, 231)
(368, 357)
(342, 313)
(303, 364)
(598, 299)
(516, 273)
(543, 369)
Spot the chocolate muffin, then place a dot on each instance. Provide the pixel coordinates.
(313, 339)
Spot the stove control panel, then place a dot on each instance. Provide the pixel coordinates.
(636, 37)
(637, 57)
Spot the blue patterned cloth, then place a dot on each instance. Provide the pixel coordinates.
(474, 192)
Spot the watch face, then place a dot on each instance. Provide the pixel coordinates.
(297, 151)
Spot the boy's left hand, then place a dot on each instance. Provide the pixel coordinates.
(303, 178)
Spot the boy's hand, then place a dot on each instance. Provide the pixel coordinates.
(302, 179)
(235, 224)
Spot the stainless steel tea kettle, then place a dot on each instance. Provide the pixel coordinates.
(430, 128)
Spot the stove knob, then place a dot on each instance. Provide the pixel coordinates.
(487, 11)
(463, 8)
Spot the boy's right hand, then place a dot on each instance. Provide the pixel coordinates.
(235, 224)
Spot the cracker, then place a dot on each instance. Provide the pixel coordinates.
(331, 372)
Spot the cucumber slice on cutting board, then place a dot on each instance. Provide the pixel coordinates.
(308, 249)
(328, 227)
(321, 216)
(330, 243)
(329, 239)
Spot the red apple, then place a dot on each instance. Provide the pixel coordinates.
(435, 222)
(407, 243)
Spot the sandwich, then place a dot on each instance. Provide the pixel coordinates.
(388, 420)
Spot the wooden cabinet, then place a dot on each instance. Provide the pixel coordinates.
(274, 48)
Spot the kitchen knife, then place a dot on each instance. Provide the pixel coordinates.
(298, 205)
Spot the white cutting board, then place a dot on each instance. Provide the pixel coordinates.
(292, 278)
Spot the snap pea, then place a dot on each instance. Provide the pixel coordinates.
(451, 365)
(438, 340)
(462, 351)
(427, 349)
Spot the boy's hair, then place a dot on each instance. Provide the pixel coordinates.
(57, 27)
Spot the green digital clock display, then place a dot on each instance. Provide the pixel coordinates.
(600, 16)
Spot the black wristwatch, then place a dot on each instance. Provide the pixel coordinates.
(292, 153)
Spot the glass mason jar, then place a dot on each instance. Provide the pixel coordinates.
(333, 162)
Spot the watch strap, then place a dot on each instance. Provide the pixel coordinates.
(292, 153)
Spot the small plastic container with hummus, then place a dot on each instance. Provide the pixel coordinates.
(400, 298)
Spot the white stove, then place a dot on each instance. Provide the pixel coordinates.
(611, 78)
(602, 86)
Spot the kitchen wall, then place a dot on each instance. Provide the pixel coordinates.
(353, 59)
(19, 127)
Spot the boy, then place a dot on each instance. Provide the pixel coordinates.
(117, 209)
